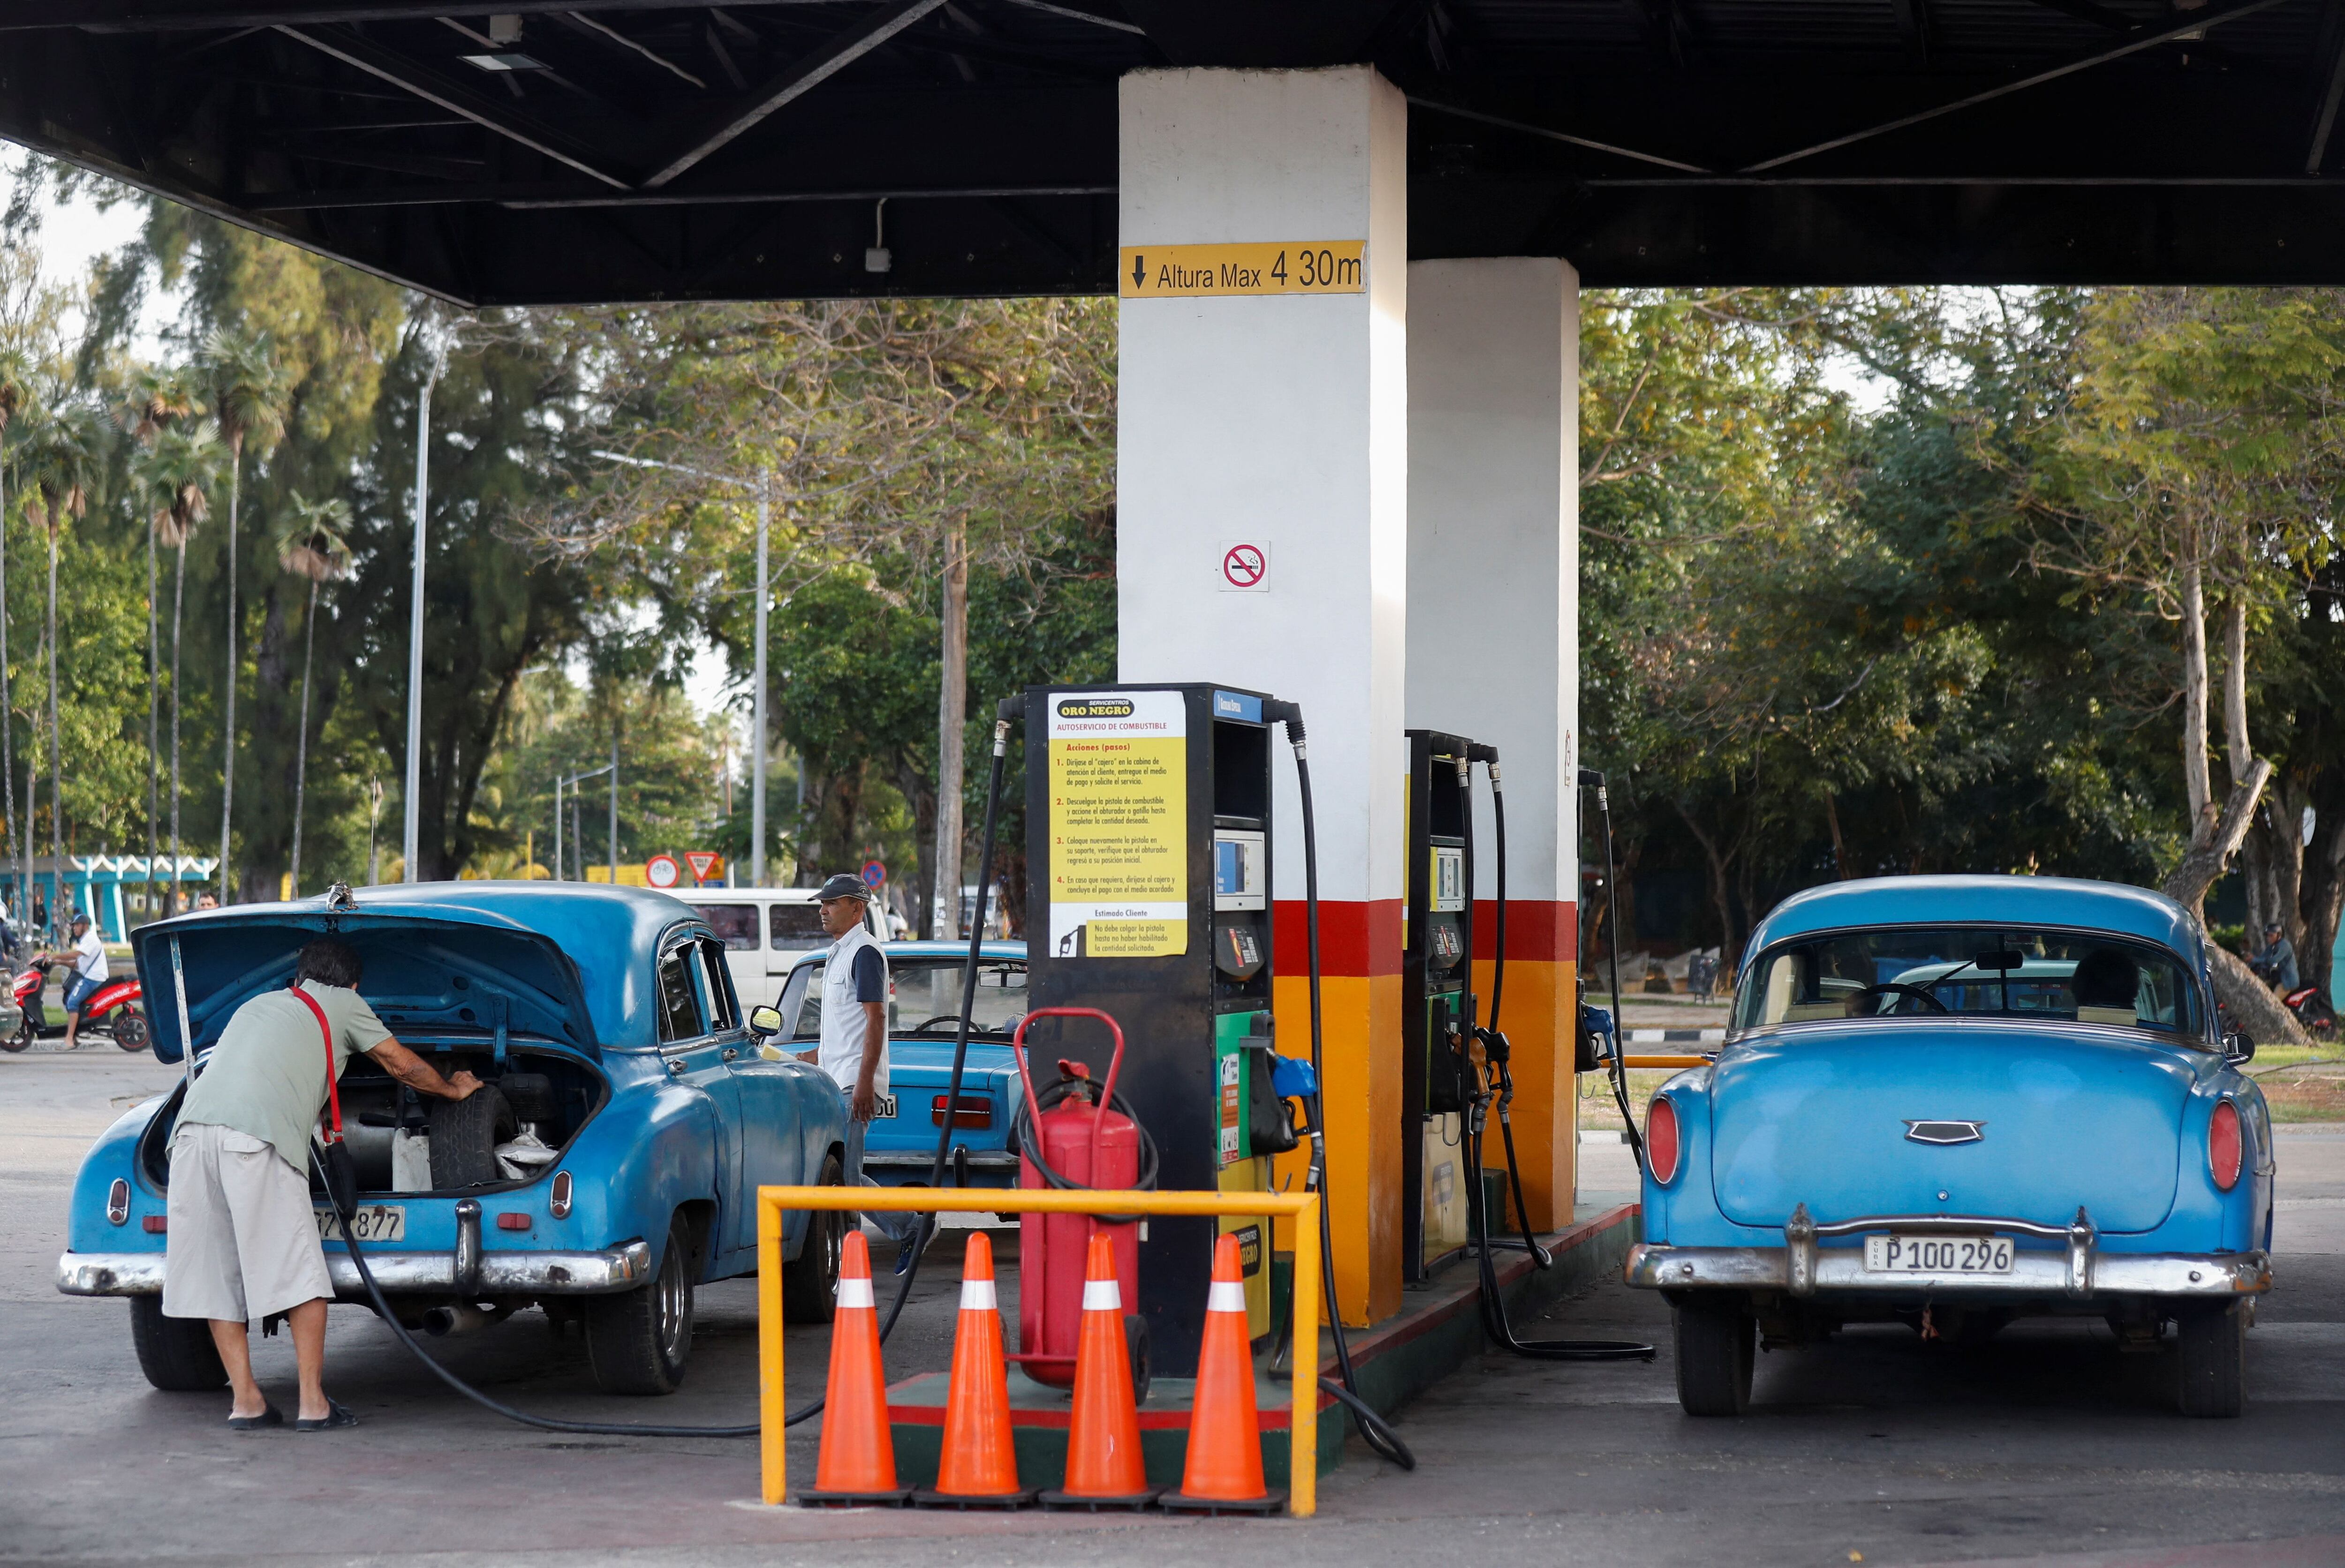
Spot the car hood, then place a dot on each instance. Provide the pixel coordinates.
(1819, 1115)
(429, 970)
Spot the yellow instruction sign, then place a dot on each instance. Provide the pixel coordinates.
(1119, 819)
(1265, 266)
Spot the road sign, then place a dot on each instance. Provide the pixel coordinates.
(1246, 566)
(875, 872)
(705, 863)
(1274, 266)
(661, 871)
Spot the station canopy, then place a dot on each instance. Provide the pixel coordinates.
(536, 151)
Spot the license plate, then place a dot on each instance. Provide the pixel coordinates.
(376, 1222)
(883, 1108)
(1938, 1254)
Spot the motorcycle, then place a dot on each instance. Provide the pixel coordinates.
(2310, 1005)
(112, 1011)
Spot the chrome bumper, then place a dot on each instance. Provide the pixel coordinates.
(2078, 1271)
(399, 1273)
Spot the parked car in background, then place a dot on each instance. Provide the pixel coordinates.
(924, 986)
(765, 931)
(610, 1165)
(1956, 1101)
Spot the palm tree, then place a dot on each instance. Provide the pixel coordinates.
(174, 472)
(249, 391)
(159, 398)
(65, 457)
(314, 545)
(15, 395)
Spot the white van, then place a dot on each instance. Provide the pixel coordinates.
(764, 930)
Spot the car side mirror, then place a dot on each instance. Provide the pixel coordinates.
(765, 1022)
(2238, 1049)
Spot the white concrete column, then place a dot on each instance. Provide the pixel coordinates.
(1278, 422)
(1493, 638)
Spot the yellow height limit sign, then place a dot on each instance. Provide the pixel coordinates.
(1272, 267)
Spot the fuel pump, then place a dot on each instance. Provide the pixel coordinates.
(1436, 1006)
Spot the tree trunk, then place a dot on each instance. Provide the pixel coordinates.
(2187, 885)
(920, 887)
(179, 623)
(952, 711)
(1840, 845)
(2320, 896)
(2283, 817)
(301, 737)
(2194, 696)
(1719, 895)
(57, 743)
(20, 895)
(228, 740)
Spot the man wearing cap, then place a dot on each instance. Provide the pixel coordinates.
(854, 1045)
(89, 972)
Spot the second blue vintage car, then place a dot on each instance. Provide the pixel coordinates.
(924, 981)
(610, 1165)
(1953, 1101)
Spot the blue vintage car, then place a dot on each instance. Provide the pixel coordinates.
(611, 1165)
(924, 981)
(1955, 1101)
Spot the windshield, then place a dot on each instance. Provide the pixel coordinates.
(1913, 972)
(924, 998)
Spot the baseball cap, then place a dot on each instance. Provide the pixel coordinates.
(844, 884)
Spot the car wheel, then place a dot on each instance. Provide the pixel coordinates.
(1717, 1345)
(176, 1353)
(464, 1138)
(810, 1281)
(640, 1340)
(130, 1029)
(2213, 1346)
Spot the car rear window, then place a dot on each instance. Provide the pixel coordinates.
(735, 925)
(927, 995)
(1918, 971)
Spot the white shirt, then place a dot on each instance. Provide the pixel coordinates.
(843, 1021)
(91, 964)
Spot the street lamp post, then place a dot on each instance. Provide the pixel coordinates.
(414, 802)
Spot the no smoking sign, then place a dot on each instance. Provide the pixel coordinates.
(1244, 566)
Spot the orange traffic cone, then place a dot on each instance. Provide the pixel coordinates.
(857, 1467)
(978, 1468)
(1223, 1473)
(1104, 1469)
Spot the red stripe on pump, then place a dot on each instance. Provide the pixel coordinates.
(1538, 930)
(1355, 939)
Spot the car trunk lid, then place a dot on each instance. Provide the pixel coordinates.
(2065, 1117)
(441, 972)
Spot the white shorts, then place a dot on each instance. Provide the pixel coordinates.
(242, 1236)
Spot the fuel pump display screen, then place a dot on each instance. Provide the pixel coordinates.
(1238, 865)
(1448, 888)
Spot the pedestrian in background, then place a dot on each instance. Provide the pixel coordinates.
(854, 1046)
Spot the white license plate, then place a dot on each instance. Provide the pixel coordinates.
(376, 1222)
(883, 1108)
(1896, 1254)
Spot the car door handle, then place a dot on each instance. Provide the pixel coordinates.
(730, 1053)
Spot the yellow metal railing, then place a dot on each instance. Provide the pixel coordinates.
(1302, 1462)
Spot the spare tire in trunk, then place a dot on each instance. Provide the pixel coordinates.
(464, 1138)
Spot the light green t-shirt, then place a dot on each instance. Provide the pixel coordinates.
(267, 1077)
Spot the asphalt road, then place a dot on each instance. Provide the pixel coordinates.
(2046, 1446)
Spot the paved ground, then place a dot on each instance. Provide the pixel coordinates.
(2046, 1446)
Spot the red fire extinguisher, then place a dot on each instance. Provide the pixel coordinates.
(1081, 1135)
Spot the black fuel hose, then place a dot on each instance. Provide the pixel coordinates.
(920, 1237)
(1027, 1137)
(1617, 1067)
(1493, 1084)
(1374, 1430)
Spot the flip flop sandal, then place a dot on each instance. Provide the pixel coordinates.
(334, 1420)
(269, 1416)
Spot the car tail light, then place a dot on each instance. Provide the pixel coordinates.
(153, 1224)
(970, 1111)
(2224, 1150)
(1661, 1140)
(511, 1220)
(559, 1204)
(117, 1202)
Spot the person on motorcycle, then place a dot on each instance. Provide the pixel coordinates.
(89, 972)
(2277, 962)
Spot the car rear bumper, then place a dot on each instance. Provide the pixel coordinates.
(399, 1273)
(2080, 1270)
